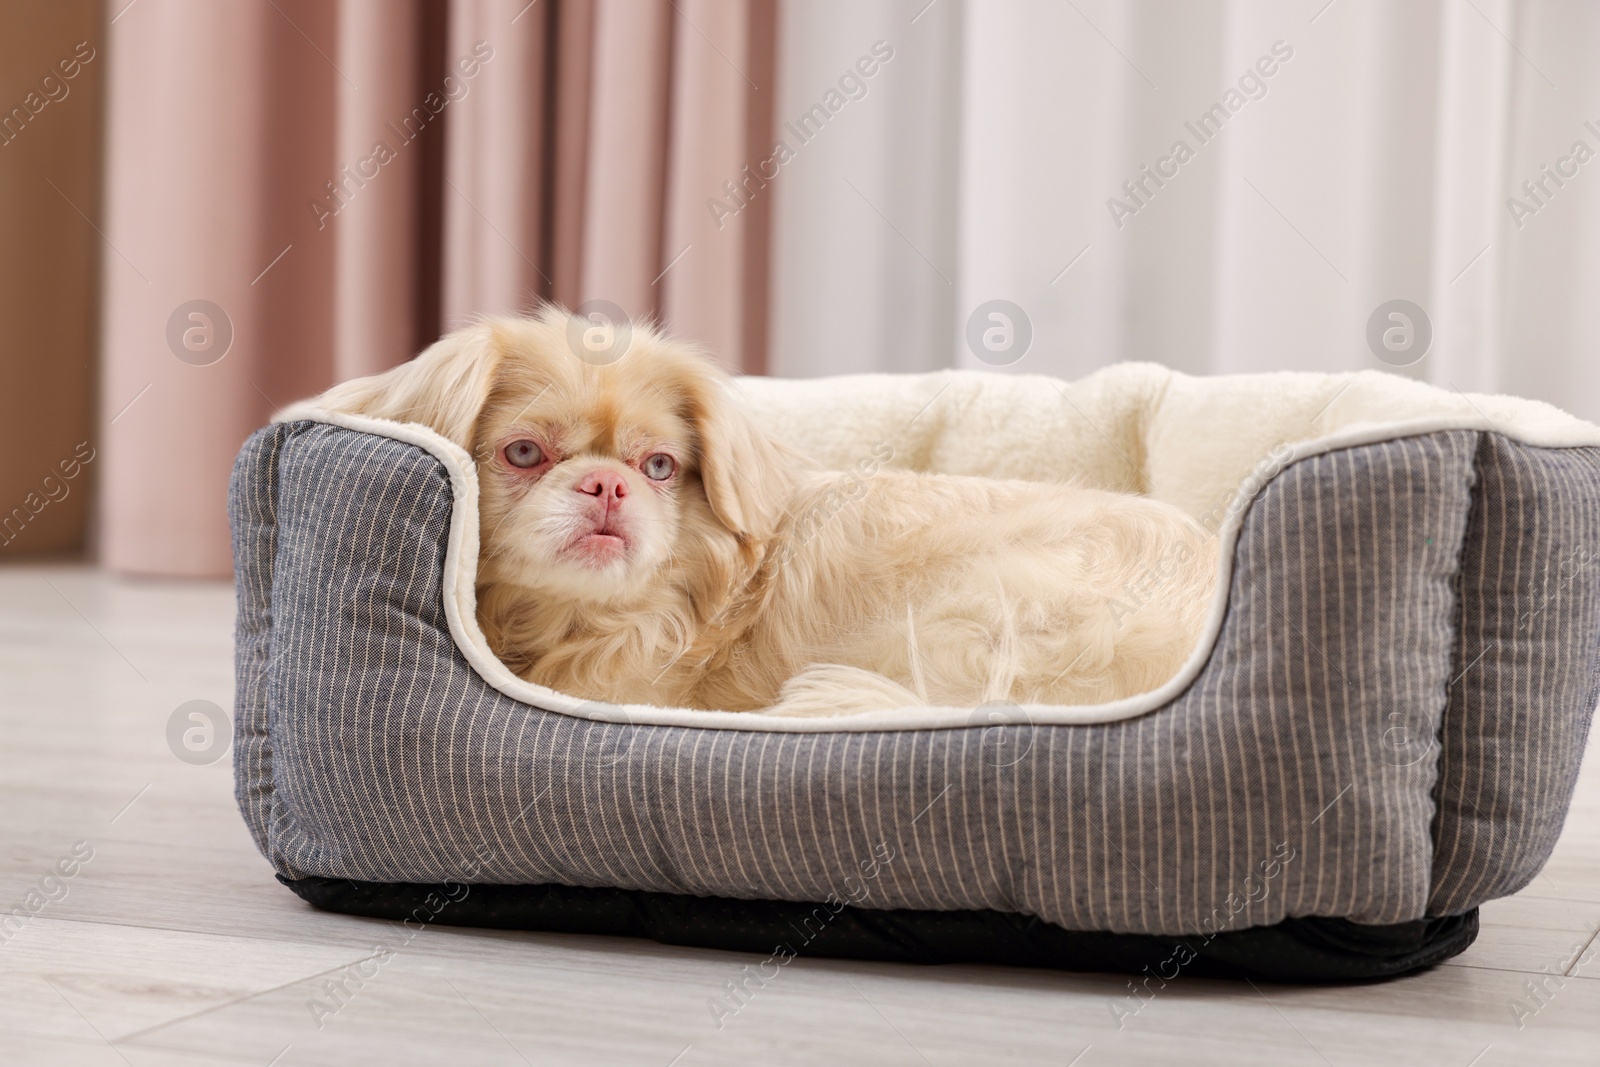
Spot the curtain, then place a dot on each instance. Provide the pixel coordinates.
(299, 192)
(295, 192)
(1384, 157)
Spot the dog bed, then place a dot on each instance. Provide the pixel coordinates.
(1380, 729)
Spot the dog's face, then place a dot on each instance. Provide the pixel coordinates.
(595, 480)
(590, 475)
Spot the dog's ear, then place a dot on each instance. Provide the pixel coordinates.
(748, 476)
(444, 388)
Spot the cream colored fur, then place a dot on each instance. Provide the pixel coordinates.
(757, 580)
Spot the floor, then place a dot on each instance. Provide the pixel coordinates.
(170, 943)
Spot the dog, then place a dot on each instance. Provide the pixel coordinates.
(644, 541)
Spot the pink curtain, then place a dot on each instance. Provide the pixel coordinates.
(722, 102)
(300, 192)
(496, 180)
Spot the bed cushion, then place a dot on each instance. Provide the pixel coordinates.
(1384, 729)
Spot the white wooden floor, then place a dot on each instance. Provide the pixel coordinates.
(174, 945)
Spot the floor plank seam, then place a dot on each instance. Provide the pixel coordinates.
(136, 1034)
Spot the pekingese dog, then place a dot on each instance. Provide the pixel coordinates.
(644, 540)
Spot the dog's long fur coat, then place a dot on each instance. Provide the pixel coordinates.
(735, 575)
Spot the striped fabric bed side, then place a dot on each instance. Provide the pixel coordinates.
(1295, 777)
(1527, 671)
(252, 514)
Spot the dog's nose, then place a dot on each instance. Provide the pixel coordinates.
(607, 485)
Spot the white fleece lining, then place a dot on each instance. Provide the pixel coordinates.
(461, 567)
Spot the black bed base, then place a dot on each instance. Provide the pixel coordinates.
(1295, 950)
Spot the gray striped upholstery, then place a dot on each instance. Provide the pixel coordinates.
(1526, 673)
(369, 749)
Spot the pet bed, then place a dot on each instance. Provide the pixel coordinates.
(1380, 729)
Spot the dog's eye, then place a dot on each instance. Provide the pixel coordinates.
(659, 467)
(524, 453)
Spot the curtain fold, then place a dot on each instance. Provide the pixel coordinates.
(302, 192)
(567, 147)
(628, 111)
(496, 180)
(865, 204)
(720, 122)
(190, 162)
(375, 254)
(1475, 85)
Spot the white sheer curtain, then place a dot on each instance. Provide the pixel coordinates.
(1374, 162)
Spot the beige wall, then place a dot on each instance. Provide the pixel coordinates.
(49, 257)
